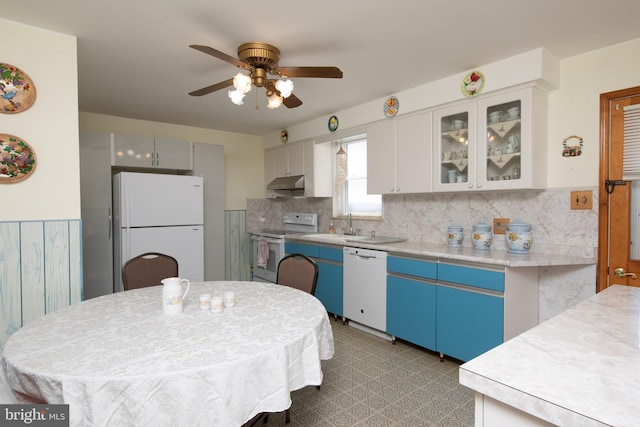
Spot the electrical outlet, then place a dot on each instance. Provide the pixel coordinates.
(500, 225)
(581, 200)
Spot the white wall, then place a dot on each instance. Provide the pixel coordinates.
(243, 154)
(574, 109)
(50, 126)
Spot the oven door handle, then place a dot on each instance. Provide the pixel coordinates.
(268, 239)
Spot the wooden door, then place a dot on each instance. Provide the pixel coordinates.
(615, 195)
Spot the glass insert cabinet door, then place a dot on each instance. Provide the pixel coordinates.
(503, 156)
(455, 149)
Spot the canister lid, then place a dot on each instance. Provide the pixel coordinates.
(481, 226)
(455, 227)
(518, 225)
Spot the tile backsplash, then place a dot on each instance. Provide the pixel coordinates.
(425, 217)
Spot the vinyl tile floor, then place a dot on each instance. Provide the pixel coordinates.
(371, 382)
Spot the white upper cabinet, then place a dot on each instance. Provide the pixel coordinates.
(399, 155)
(289, 160)
(301, 158)
(150, 152)
(495, 143)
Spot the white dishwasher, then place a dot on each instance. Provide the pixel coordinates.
(365, 287)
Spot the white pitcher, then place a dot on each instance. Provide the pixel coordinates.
(172, 296)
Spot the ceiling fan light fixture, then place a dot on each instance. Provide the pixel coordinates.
(274, 101)
(285, 87)
(242, 83)
(236, 96)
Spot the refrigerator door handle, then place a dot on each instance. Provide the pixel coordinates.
(109, 217)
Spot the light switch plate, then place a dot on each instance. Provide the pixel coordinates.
(581, 200)
(500, 225)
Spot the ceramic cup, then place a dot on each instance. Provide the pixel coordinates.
(513, 113)
(229, 299)
(457, 124)
(495, 116)
(204, 301)
(217, 304)
(452, 176)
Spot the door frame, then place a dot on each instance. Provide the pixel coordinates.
(603, 197)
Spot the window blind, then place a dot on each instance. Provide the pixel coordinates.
(631, 150)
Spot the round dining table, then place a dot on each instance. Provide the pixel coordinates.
(117, 360)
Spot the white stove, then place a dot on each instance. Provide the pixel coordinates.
(268, 245)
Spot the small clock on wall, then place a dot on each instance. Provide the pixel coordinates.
(284, 136)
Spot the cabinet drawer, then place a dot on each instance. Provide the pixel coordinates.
(412, 267)
(308, 250)
(332, 254)
(290, 248)
(476, 277)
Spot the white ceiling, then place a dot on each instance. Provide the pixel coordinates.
(134, 58)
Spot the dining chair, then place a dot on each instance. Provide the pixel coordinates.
(300, 272)
(148, 269)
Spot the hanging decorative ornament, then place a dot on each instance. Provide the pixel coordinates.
(572, 150)
(341, 169)
(17, 159)
(17, 91)
(284, 136)
(472, 84)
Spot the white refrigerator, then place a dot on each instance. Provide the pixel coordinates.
(158, 213)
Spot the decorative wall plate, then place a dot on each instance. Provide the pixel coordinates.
(17, 159)
(17, 91)
(333, 123)
(473, 83)
(391, 106)
(284, 136)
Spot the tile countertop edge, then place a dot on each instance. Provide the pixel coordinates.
(444, 252)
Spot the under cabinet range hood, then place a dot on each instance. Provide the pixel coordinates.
(288, 186)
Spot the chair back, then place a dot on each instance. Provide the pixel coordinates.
(298, 271)
(148, 269)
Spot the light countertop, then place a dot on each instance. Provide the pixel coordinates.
(581, 367)
(443, 252)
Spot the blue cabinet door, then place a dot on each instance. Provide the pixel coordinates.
(468, 323)
(411, 311)
(329, 286)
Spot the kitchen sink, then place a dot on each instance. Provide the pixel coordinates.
(374, 240)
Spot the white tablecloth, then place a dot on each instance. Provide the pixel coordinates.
(118, 361)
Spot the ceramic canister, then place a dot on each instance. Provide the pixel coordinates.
(482, 236)
(519, 238)
(455, 236)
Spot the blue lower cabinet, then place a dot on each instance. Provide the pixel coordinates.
(329, 286)
(468, 323)
(411, 311)
(290, 248)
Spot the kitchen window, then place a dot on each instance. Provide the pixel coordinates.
(350, 171)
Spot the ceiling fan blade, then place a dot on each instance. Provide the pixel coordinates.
(292, 101)
(220, 55)
(323, 72)
(212, 88)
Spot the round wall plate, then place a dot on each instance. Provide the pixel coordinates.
(17, 91)
(333, 123)
(17, 159)
(284, 136)
(472, 84)
(391, 106)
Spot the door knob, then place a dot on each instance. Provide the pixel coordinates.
(619, 272)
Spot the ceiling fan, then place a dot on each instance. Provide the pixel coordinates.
(261, 60)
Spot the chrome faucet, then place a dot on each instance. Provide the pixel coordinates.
(349, 230)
